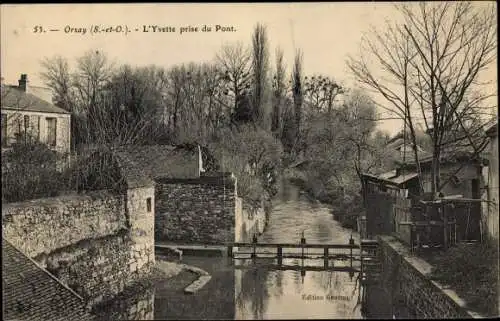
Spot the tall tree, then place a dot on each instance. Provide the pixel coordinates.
(279, 92)
(430, 67)
(297, 90)
(260, 70)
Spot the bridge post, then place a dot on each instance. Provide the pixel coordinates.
(280, 255)
(230, 251)
(325, 256)
(351, 243)
(254, 241)
(302, 242)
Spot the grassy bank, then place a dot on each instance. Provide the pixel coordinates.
(472, 271)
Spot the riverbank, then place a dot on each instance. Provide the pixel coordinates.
(345, 210)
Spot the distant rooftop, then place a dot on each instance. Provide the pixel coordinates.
(31, 293)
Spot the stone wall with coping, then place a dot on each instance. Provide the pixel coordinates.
(95, 243)
(407, 279)
(44, 225)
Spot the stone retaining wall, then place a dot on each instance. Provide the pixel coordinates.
(195, 210)
(95, 243)
(44, 225)
(406, 279)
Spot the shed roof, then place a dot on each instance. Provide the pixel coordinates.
(16, 99)
(32, 293)
(390, 177)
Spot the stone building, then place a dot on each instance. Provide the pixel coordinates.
(194, 203)
(26, 114)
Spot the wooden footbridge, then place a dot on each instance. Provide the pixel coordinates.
(357, 255)
(356, 258)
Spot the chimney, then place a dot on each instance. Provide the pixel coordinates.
(23, 82)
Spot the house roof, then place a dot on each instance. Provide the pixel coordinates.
(162, 161)
(32, 293)
(16, 99)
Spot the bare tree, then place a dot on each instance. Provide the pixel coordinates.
(429, 70)
(321, 92)
(234, 64)
(57, 76)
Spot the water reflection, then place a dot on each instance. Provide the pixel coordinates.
(131, 305)
(273, 294)
(261, 292)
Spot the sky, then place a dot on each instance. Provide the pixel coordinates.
(326, 33)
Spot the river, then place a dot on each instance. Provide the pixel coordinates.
(263, 293)
(268, 294)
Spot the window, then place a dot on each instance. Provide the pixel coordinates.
(51, 131)
(148, 204)
(26, 123)
(38, 120)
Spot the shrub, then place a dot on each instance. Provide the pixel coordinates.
(30, 171)
(254, 156)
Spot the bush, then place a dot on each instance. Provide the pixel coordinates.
(254, 156)
(30, 171)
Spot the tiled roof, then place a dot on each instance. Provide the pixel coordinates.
(162, 161)
(16, 99)
(31, 293)
(132, 171)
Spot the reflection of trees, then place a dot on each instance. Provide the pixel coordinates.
(254, 293)
(323, 232)
(279, 283)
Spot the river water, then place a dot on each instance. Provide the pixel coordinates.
(272, 294)
(266, 293)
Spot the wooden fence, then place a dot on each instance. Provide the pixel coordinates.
(403, 219)
(440, 223)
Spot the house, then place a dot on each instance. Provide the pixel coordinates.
(490, 192)
(460, 173)
(386, 194)
(27, 116)
(31, 293)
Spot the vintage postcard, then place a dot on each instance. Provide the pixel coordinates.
(249, 161)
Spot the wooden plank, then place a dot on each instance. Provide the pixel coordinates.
(340, 257)
(297, 246)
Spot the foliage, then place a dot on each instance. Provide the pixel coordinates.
(471, 270)
(30, 171)
(253, 155)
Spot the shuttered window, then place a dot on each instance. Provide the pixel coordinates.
(51, 131)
